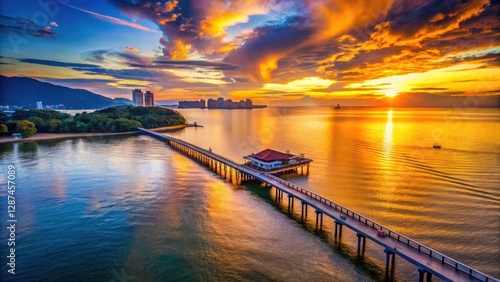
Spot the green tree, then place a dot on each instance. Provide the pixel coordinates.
(3, 129)
(26, 128)
(52, 125)
(3, 117)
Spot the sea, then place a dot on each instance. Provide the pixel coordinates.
(130, 208)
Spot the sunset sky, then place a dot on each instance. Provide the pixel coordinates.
(264, 50)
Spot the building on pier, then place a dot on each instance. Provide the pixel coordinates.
(274, 161)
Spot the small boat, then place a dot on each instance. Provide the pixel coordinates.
(435, 146)
(337, 107)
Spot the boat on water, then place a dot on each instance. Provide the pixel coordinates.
(337, 107)
(435, 146)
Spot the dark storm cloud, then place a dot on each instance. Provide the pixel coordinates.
(435, 14)
(212, 65)
(57, 63)
(77, 81)
(24, 27)
(137, 74)
(101, 56)
(96, 56)
(267, 45)
(91, 69)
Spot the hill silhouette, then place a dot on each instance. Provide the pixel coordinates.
(25, 91)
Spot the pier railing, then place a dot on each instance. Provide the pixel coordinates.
(399, 237)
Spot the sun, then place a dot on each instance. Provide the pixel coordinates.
(391, 92)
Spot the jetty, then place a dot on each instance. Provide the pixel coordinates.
(427, 261)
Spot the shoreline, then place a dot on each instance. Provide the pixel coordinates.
(52, 136)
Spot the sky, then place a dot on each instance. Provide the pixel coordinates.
(266, 50)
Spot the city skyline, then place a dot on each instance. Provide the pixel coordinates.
(219, 103)
(266, 51)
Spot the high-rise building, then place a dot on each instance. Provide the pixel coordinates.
(249, 104)
(149, 99)
(220, 103)
(135, 94)
(211, 104)
(39, 105)
(139, 98)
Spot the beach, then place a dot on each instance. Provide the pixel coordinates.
(50, 136)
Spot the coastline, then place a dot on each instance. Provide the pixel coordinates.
(52, 136)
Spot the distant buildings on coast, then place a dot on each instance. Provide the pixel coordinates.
(141, 99)
(38, 105)
(220, 103)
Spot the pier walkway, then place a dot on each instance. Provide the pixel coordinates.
(427, 261)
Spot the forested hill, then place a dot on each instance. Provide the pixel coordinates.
(106, 120)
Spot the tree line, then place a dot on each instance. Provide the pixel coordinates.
(28, 122)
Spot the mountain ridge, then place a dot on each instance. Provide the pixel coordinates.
(25, 92)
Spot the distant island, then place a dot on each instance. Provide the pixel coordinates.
(25, 92)
(220, 103)
(109, 120)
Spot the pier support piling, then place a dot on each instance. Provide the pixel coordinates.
(361, 243)
(338, 229)
(290, 202)
(390, 259)
(424, 273)
(303, 214)
(319, 217)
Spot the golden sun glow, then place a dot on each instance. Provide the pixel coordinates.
(300, 85)
(390, 92)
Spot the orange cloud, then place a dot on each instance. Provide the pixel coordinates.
(329, 18)
(266, 66)
(131, 49)
(180, 51)
(385, 35)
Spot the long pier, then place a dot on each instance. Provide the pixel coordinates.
(427, 261)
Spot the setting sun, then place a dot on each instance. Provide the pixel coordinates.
(390, 92)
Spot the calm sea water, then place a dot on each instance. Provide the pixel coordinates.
(131, 209)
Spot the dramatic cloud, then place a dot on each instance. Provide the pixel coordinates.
(194, 26)
(134, 74)
(337, 39)
(429, 20)
(23, 27)
(422, 36)
(126, 57)
(281, 48)
(91, 69)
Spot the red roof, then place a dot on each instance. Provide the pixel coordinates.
(269, 155)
